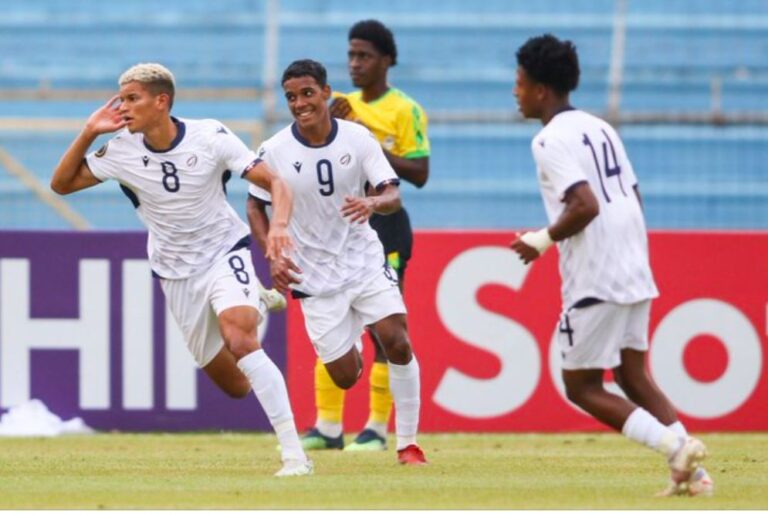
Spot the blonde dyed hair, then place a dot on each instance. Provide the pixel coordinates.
(155, 77)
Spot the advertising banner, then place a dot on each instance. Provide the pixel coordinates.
(482, 325)
(83, 327)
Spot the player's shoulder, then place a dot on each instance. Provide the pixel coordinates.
(404, 100)
(565, 128)
(347, 130)
(283, 136)
(121, 143)
(276, 142)
(205, 126)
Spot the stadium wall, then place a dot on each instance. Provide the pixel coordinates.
(84, 328)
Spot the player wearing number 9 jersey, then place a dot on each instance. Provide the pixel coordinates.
(174, 172)
(592, 200)
(337, 269)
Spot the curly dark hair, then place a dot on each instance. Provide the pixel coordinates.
(306, 68)
(378, 35)
(551, 62)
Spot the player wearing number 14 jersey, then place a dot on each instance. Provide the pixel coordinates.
(593, 204)
(337, 269)
(174, 171)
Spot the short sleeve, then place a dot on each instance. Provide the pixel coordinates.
(375, 165)
(257, 191)
(412, 139)
(230, 149)
(557, 164)
(104, 163)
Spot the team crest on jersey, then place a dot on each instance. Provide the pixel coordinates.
(345, 159)
(192, 161)
(297, 166)
(102, 150)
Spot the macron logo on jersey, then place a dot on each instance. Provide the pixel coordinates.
(221, 130)
(297, 166)
(541, 142)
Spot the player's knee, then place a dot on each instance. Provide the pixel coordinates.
(399, 350)
(344, 380)
(241, 346)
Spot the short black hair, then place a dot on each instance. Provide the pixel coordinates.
(378, 35)
(306, 68)
(551, 62)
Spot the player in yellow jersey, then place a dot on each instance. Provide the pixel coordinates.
(400, 125)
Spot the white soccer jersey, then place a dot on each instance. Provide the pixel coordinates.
(180, 193)
(331, 252)
(608, 260)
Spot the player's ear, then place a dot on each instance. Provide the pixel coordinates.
(327, 92)
(163, 100)
(541, 91)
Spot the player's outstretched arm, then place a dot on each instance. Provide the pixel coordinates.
(282, 204)
(385, 201)
(72, 174)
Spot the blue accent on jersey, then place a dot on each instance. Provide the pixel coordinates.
(248, 168)
(296, 294)
(85, 163)
(261, 200)
(225, 179)
(131, 195)
(181, 129)
(382, 184)
(244, 242)
(572, 187)
(301, 139)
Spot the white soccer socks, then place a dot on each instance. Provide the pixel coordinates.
(644, 428)
(269, 386)
(405, 384)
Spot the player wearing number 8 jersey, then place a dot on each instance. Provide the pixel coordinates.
(174, 172)
(337, 269)
(593, 204)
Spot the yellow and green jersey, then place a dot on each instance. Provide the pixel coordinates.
(398, 122)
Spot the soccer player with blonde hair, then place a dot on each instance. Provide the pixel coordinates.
(173, 170)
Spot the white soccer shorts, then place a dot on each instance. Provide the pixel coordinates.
(335, 322)
(197, 301)
(593, 337)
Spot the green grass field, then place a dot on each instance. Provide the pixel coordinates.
(234, 471)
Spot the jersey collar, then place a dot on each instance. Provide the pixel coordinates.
(331, 135)
(181, 129)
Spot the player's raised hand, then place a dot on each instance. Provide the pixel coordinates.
(524, 251)
(278, 240)
(284, 273)
(107, 118)
(340, 108)
(358, 209)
